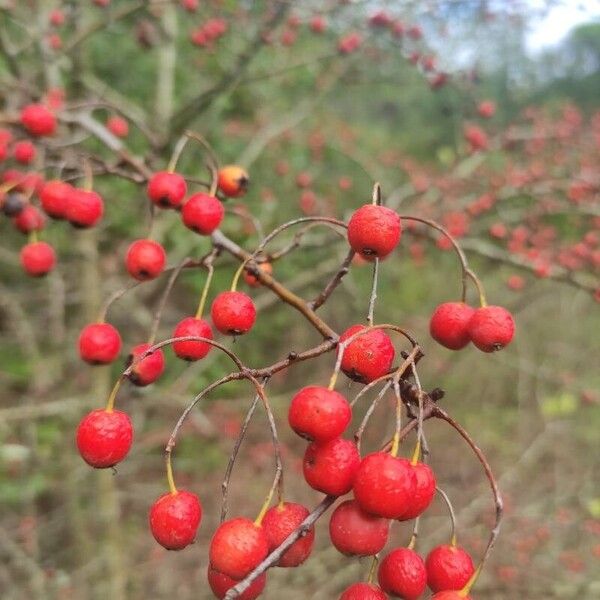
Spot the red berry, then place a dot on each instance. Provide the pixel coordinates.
(220, 584)
(57, 17)
(174, 519)
(319, 414)
(278, 523)
(167, 189)
(233, 313)
(145, 259)
(24, 152)
(147, 370)
(29, 219)
(450, 595)
(448, 568)
(330, 467)
(368, 356)
(486, 109)
(402, 573)
(384, 485)
(237, 547)
(363, 591)
(55, 197)
(38, 120)
(318, 24)
(374, 231)
(99, 343)
(233, 181)
(251, 280)
(191, 350)
(491, 328)
(104, 437)
(202, 213)
(38, 258)
(357, 533)
(476, 137)
(84, 209)
(423, 493)
(118, 126)
(449, 324)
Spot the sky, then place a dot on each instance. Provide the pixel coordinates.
(560, 20)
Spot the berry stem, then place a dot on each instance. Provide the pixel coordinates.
(170, 479)
(110, 403)
(396, 440)
(465, 591)
(179, 147)
(214, 162)
(88, 178)
(448, 504)
(415, 534)
(416, 453)
(238, 274)
(373, 292)
(479, 285)
(373, 568)
(376, 197)
(33, 237)
(204, 295)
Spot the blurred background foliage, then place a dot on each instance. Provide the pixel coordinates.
(69, 532)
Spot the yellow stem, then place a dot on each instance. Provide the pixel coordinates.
(373, 568)
(265, 507)
(395, 444)
(170, 479)
(110, 403)
(416, 453)
(33, 237)
(465, 591)
(202, 302)
(238, 274)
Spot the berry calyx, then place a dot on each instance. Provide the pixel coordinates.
(448, 567)
(329, 467)
(38, 120)
(318, 414)
(37, 258)
(423, 492)
(192, 350)
(145, 259)
(363, 591)
(175, 518)
(99, 343)
(55, 197)
(233, 181)
(29, 219)
(233, 313)
(202, 213)
(374, 231)
(252, 280)
(104, 437)
(449, 325)
(367, 356)
(384, 485)
(237, 547)
(281, 520)
(491, 328)
(220, 584)
(402, 573)
(167, 189)
(84, 209)
(147, 370)
(357, 533)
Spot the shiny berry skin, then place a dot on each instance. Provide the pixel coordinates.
(374, 231)
(37, 258)
(357, 533)
(363, 591)
(55, 196)
(448, 568)
(384, 485)
(12, 204)
(167, 189)
(233, 181)
(449, 595)
(281, 520)
(251, 280)
(368, 356)
(233, 313)
(191, 350)
(145, 259)
(330, 467)
(220, 584)
(202, 213)
(491, 328)
(99, 343)
(104, 437)
(449, 325)
(423, 493)
(29, 219)
(24, 152)
(118, 126)
(318, 414)
(237, 547)
(147, 370)
(174, 519)
(38, 120)
(84, 208)
(402, 573)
